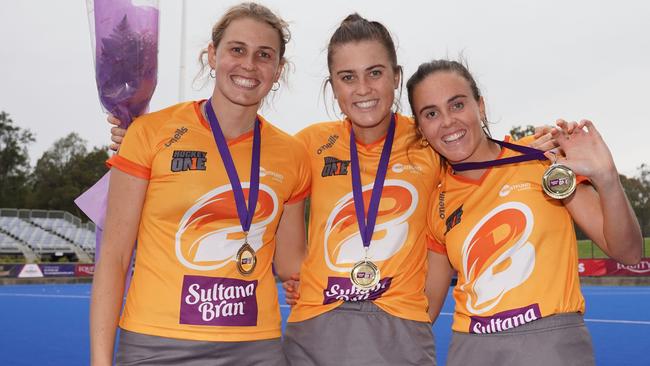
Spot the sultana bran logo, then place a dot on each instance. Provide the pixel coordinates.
(497, 256)
(209, 233)
(343, 244)
(218, 301)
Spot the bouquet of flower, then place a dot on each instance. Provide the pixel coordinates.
(125, 39)
(126, 47)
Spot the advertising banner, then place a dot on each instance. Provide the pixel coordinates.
(58, 270)
(610, 267)
(84, 270)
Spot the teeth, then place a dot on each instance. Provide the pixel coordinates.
(366, 104)
(244, 82)
(454, 136)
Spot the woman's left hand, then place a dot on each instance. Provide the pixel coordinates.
(585, 150)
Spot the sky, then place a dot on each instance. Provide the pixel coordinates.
(535, 61)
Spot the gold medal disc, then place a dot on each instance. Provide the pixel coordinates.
(246, 259)
(365, 275)
(559, 181)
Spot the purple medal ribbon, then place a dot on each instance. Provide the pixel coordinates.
(245, 215)
(367, 229)
(529, 153)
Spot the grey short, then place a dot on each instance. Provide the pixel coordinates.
(557, 340)
(141, 349)
(359, 333)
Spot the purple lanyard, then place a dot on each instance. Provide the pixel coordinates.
(245, 215)
(529, 153)
(367, 229)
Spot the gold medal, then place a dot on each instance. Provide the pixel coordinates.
(246, 259)
(365, 274)
(559, 181)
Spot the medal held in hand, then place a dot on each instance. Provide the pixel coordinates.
(246, 258)
(559, 181)
(365, 274)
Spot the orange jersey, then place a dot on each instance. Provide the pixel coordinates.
(186, 284)
(513, 246)
(398, 247)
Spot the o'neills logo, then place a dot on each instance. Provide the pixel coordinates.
(504, 320)
(177, 136)
(341, 288)
(218, 301)
(330, 142)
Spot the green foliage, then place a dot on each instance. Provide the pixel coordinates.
(14, 162)
(518, 132)
(587, 249)
(65, 171)
(637, 190)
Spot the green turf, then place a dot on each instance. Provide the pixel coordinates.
(586, 249)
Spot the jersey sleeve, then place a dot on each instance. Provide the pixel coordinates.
(435, 242)
(136, 153)
(303, 184)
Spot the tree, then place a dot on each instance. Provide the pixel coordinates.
(14, 162)
(65, 171)
(637, 190)
(518, 132)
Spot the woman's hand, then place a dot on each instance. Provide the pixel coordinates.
(117, 133)
(586, 152)
(291, 287)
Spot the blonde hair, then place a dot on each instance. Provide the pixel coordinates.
(246, 10)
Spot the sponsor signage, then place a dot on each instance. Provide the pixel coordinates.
(30, 271)
(610, 267)
(218, 301)
(341, 288)
(84, 270)
(57, 270)
(10, 270)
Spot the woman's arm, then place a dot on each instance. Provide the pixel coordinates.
(601, 210)
(290, 240)
(437, 282)
(125, 199)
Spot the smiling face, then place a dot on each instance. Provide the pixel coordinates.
(247, 62)
(449, 117)
(364, 82)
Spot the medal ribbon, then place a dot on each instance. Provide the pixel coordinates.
(528, 153)
(366, 229)
(245, 215)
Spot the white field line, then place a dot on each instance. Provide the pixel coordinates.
(608, 321)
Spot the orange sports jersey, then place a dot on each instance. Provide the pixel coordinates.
(513, 246)
(186, 284)
(398, 247)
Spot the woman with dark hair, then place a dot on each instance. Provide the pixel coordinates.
(362, 284)
(504, 217)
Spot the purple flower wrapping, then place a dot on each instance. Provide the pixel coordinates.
(126, 39)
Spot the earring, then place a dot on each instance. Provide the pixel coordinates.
(424, 142)
(485, 128)
(213, 73)
(276, 87)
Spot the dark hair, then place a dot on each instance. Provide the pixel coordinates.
(429, 68)
(355, 28)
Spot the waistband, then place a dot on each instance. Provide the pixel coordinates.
(361, 306)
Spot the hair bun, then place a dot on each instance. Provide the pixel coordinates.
(354, 17)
